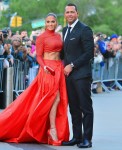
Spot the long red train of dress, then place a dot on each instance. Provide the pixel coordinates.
(26, 119)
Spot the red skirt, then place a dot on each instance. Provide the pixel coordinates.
(26, 119)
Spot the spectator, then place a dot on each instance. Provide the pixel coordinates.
(107, 53)
(17, 48)
(7, 55)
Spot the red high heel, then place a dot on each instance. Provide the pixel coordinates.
(51, 141)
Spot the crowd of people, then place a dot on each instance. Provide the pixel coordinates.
(17, 46)
(106, 46)
(22, 46)
(58, 83)
(107, 49)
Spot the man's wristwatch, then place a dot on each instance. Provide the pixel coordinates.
(72, 65)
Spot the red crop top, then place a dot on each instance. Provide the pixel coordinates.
(49, 41)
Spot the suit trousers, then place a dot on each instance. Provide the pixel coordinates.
(80, 104)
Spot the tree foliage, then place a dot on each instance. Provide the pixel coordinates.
(104, 15)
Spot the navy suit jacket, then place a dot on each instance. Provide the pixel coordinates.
(80, 50)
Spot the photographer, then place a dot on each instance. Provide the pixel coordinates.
(17, 48)
(5, 49)
(8, 61)
(104, 47)
(4, 36)
(20, 50)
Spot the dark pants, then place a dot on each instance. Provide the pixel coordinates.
(80, 103)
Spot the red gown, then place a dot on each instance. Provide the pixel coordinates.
(26, 119)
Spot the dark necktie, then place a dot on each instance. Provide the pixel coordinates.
(68, 34)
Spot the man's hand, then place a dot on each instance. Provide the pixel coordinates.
(68, 69)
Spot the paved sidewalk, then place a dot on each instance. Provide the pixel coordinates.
(107, 126)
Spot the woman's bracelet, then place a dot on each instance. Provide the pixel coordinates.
(45, 67)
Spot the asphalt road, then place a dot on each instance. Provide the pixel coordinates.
(107, 126)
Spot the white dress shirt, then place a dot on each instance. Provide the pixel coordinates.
(72, 26)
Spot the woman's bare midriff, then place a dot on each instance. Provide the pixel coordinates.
(52, 55)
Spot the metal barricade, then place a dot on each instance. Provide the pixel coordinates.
(108, 76)
(119, 73)
(1, 83)
(1, 74)
(15, 77)
(6, 84)
(20, 76)
(110, 73)
(97, 74)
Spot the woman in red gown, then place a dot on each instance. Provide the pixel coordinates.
(39, 114)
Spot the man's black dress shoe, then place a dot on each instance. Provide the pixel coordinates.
(86, 144)
(71, 142)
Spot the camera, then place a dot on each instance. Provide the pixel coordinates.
(5, 33)
(23, 43)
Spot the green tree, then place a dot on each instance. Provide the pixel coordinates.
(108, 13)
(104, 15)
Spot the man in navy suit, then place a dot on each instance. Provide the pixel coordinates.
(78, 53)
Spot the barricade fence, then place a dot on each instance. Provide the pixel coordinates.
(108, 74)
(22, 76)
(14, 80)
(1, 74)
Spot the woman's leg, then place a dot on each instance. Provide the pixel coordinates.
(52, 117)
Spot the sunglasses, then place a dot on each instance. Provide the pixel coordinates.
(17, 40)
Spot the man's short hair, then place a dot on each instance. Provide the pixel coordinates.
(71, 4)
